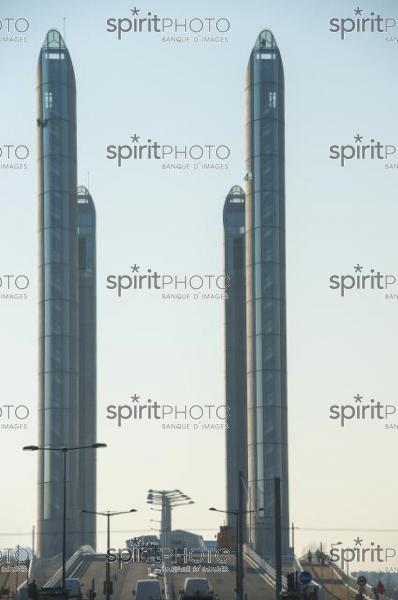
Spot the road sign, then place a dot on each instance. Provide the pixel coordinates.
(361, 581)
(305, 577)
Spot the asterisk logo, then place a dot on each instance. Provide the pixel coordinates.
(135, 138)
(135, 11)
(358, 268)
(135, 398)
(358, 138)
(358, 398)
(358, 541)
(135, 269)
(358, 11)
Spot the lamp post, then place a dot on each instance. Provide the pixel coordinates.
(108, 514)
(239, 545)
(278, 536)
(64, 450)
(167, 500)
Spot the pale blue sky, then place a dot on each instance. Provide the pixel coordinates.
(172, 222)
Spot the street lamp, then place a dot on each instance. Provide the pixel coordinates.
(239, 545)
(108, 514)
(167, 500)
(64, 450)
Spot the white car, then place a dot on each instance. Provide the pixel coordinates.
(74, 588)
(148, 589)
(197, 587)
(155, 571)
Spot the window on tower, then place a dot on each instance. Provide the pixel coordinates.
(55, 55)
(272, 99)
(265, 55)
(48, 99)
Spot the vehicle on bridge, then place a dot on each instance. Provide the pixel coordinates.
(73, 586)
(197, 587)
(155, 571)
(148, 589)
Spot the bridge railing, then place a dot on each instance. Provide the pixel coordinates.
(263, 567)
(349, 580)
(352, 582)
(71, 565)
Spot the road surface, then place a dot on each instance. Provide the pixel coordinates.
(224, 583)
(124, 579)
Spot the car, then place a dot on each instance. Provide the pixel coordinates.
(73, 586)
(148, 589)
(155, 571)
(197, 587)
